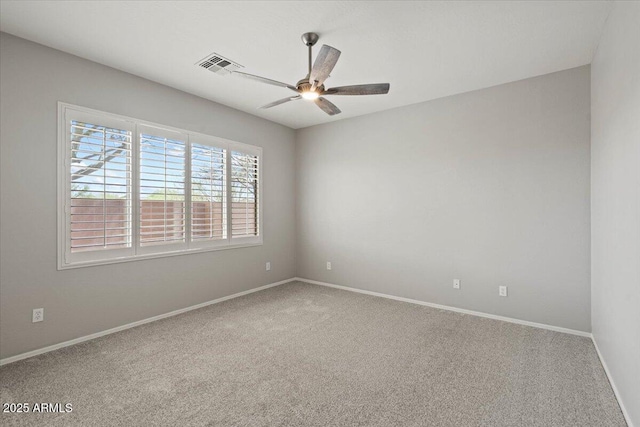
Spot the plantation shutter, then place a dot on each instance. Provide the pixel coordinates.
(162, 193)
(208, 193)
(129, 189)
(98, 202)
(245, 213)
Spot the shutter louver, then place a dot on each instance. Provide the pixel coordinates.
(162, 190)
(244, 195)
(208, 193)
(100, 187)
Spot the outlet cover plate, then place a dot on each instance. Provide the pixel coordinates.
(456, 283)
(38, 315)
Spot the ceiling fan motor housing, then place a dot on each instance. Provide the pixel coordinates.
(305, 86)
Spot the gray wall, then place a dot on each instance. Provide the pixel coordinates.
(491, 187)
(615, 202)
(82, 301)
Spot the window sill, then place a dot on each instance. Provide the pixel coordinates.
(107, 261)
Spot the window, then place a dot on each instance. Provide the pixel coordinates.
(244, 194)
(130, 190)
(208, 193)
(162, 192)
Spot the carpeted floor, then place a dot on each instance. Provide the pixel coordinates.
(306, 355)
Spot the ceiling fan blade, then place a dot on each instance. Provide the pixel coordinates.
(325, 61)
(281, 101)
(327, 106)
(370, 89)
(264, 80)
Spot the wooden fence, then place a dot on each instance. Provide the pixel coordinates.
(98, 224)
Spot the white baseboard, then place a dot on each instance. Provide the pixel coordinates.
(449, 308)
(134, 324)
(613, 384)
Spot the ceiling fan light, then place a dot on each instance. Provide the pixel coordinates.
(310, 95)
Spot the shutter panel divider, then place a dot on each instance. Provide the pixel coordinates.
(229, 196)
(187, 190)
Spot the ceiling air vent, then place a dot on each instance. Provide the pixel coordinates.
(218, 64)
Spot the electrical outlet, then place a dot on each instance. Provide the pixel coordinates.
(38, 315)
(328, 265)
(268, 266)
(456, 283)
(502, 291)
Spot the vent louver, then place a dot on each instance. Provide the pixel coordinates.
(218, 64)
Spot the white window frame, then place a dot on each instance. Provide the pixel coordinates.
(68, 260)
(65, 184)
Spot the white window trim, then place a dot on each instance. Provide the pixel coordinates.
(137, 253)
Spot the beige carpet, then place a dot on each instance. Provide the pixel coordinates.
(306, 355)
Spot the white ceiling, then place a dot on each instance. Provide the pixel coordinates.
(426, 50)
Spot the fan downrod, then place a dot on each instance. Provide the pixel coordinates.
(310, 39)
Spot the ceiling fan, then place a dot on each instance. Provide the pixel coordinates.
(312, 87)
